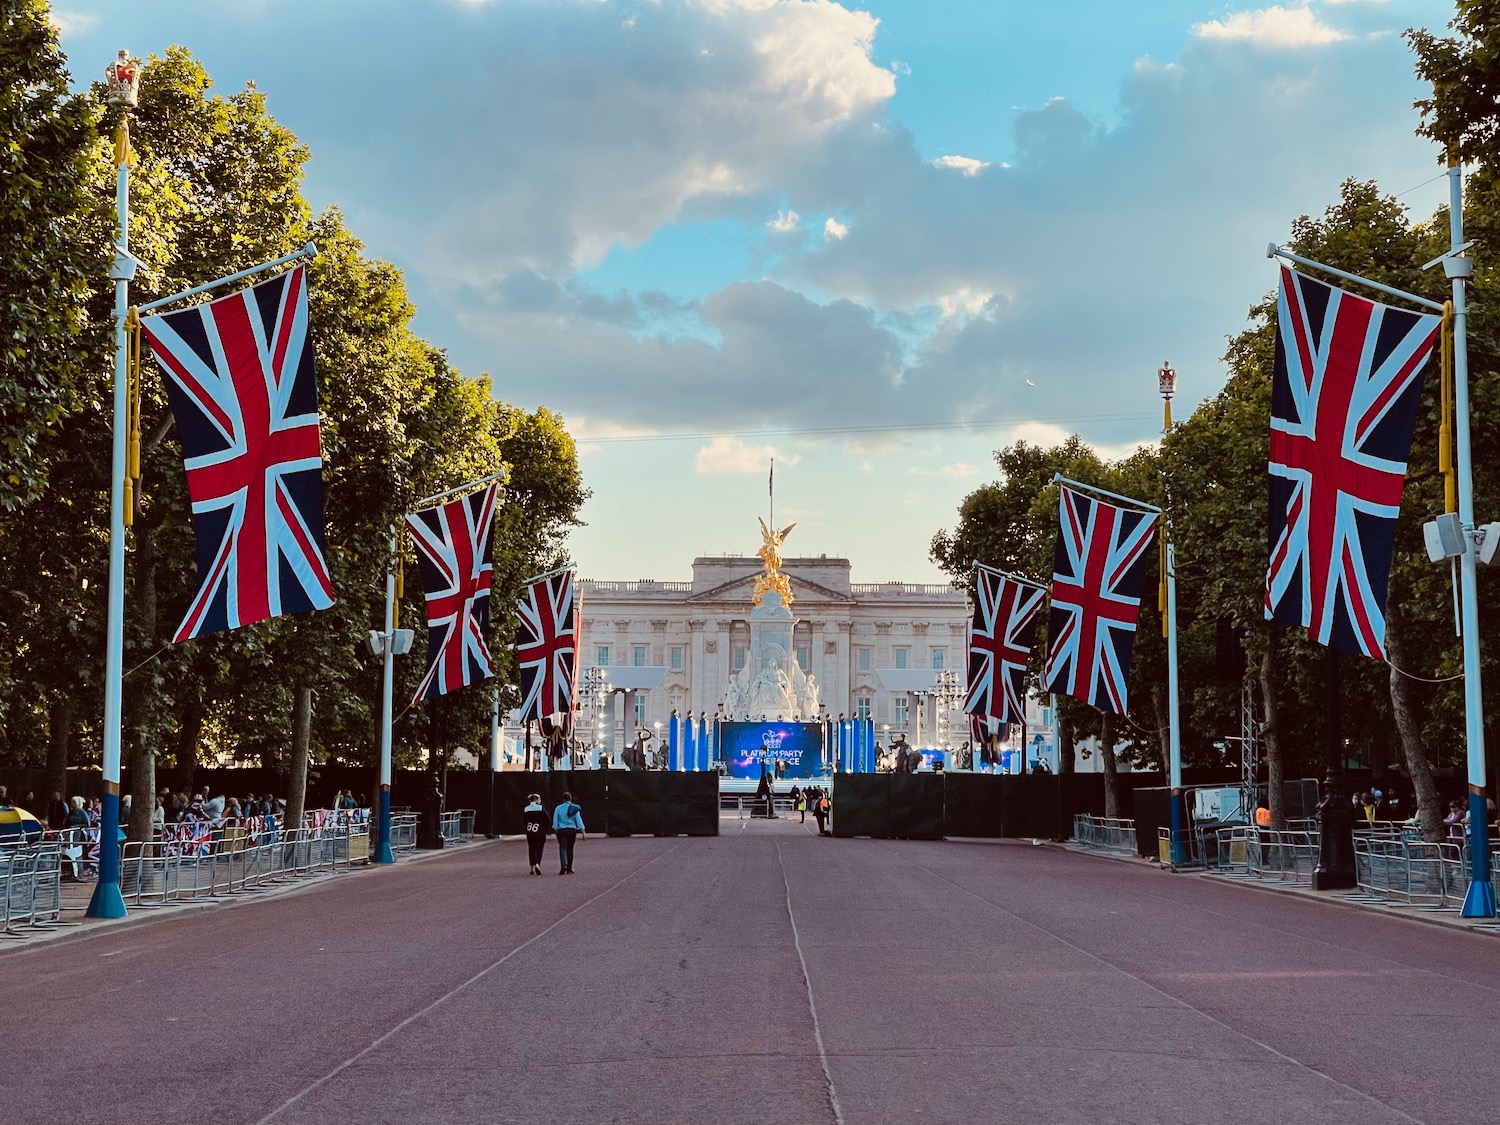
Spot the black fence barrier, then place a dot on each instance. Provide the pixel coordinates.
(971, 806)
(916, 806)
(617, 802)
(862, 804)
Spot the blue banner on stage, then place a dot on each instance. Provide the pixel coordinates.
(745, 747)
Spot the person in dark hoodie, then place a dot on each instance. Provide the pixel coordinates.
(536, 831)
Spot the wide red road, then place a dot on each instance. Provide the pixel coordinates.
(763, 976)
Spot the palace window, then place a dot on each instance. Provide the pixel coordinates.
(640, 709)
(601, 654)
(938, 656)
(739, 657)
(901, 657)
(677, 658)
(862, 708)
(804, 657)
(898, 710)
(864, 659)
(639, 656)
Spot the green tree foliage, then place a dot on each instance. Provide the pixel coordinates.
(1210, 475)
(53, 244)
(215, 188)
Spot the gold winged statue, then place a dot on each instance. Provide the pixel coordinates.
(770, 554)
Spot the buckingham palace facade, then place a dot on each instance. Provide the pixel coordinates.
(870, 646)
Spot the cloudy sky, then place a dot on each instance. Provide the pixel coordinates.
(875, 241)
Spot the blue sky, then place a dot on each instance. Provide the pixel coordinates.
(874, 241)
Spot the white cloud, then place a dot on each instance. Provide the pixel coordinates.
(785, 222)
(833, 230)
(733, 455)
(964, 301)
(965, 164)
(956, 471)
(73, 23)
(1272, 27)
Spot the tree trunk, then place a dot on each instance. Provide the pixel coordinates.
(1275, 759)
(142, 791)
(1406, 708)
(59, 740)
(1066, 756)
(296, 796)
(1107, 758)
(187, 742)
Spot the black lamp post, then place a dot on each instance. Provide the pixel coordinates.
(1335, 870)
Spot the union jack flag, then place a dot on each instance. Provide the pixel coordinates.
(243, 389)
(546, 639)
(1097, 570)
(1000, 639)
(1344, 402)
(454, 553)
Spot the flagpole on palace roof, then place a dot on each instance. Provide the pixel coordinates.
(123, 77)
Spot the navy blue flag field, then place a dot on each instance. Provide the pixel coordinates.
(546, 639)
(1000, 639)
(455, 553)
(1344, 398)
(244, 393)
(1097, 570)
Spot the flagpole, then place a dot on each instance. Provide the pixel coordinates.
(383, 852)
(307, 251)
(438, 497)
(1007, 574)
(107, 901)
(1479, 900)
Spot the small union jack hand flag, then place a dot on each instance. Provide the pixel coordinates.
(244, 393)
(1344, 399)
(454, 554)
(1098, 566)
(546, 636)
(1000, 639)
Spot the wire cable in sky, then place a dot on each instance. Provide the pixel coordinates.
(892, 428)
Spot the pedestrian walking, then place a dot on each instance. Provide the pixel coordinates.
(799, 801)
(536, 831)
(567, 826)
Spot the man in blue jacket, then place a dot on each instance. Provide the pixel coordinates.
(567, 826)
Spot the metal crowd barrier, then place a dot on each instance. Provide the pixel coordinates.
(1104, 834)
(456, 825)
(403, 830)
(745, 805)
(30, 887)
(1406, 872)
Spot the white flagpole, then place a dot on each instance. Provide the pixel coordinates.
(383, 852)
(107, 901)
(1479, 900)
(307, 251)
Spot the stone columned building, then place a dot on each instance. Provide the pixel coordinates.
(875, 649)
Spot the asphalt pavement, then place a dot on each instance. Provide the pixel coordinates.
(766, 975)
